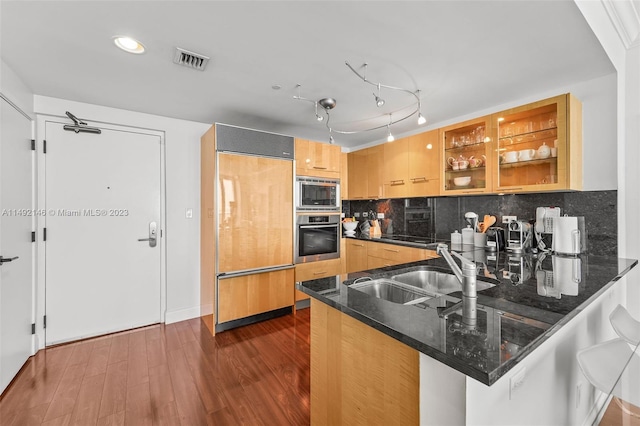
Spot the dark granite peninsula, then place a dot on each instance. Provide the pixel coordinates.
(531, 316)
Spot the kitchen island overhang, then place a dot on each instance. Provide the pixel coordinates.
(514, 318)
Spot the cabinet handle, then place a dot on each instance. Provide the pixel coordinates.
(373, 197)
(358, 197)
(473, 192)
(358, 245)
(416, 179)
(319, 168)
(509, 189)
(397, 182)
(318, 273)
(394, 251)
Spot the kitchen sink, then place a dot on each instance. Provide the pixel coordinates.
(436, 281)
(392, 291)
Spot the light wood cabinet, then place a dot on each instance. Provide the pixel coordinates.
(344, 176)
(411, 166)
(363, 255)
(356, 255)
(365, 173)
(424, 165)
(360, 376)
(246, 295)
(539, 146)
(467, 159)
(380, 255)
(315, 270)
(317, 159)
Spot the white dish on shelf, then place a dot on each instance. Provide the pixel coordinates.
(462, 181)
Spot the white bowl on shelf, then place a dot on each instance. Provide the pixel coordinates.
(462, 181)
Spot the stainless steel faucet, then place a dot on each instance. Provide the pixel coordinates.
(467, 278)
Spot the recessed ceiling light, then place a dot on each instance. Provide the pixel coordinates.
(128, 44)
(276, 87)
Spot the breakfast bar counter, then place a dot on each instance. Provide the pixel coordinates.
(522, 302)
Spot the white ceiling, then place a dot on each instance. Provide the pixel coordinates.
(464, 56)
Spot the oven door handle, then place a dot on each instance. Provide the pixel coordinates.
(317, 226)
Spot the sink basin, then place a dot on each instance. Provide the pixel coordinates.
(435, 281)
(392, 291)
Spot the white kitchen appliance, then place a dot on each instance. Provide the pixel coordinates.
(569, 236)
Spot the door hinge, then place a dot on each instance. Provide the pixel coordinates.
(33, 328)
(44, 234)
(33, 236)
(33, 144)
(44, 146)
(44, 321)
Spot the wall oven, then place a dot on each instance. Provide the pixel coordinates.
(317, 194)
(317, 237)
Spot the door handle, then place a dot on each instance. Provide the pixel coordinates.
(7, 259)
(153, 235)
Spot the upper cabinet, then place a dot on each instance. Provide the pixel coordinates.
(317, 159)
(539, 146)
(467, 157)
(365, 173)
(410, 166)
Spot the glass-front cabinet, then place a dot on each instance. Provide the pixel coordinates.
(539, 146)
(467, 158)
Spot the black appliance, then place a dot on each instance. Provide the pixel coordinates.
(495, 239)
(418, 217)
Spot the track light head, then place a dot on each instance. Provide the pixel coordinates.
(379, 100)
(421, 119)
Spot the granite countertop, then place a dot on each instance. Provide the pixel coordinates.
(533, 297)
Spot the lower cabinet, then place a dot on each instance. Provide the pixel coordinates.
(360, 376)
(247, 295)
(362, 255)
(315, 270)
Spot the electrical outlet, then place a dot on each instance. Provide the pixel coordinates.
(509, 219)
(365, 214)
(189, 213)
(356, 214)
(342, 215)
(380, 215)
(516, 382)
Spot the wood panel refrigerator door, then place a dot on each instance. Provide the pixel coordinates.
(255, 212)
(15, 241)
(102, 195)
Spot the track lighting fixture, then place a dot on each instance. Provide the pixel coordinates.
(379, 100)
(329, 103)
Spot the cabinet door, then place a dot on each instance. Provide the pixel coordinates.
(539, 146)
(255, 212)
(315, 270)
(467, 158)
(344, 176)
(317, 159)
(395, 171)
(424, 165)
(375, 161)
(358, 175)
(248, 295)
(356, 255)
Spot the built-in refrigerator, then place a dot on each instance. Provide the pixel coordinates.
(254, 219)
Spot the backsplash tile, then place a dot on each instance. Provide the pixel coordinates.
(446, 214)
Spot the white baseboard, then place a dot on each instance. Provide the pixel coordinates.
(181, 315)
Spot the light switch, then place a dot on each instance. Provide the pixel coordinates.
(189, 214)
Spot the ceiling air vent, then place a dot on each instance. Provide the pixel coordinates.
(190, 59)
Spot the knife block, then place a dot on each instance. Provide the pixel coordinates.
(374, 229)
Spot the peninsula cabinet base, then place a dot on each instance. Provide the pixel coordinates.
(360, 376)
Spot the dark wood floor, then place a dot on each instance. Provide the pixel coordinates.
(176, 374)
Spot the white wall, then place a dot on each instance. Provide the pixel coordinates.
(15, 90)
(182, 154)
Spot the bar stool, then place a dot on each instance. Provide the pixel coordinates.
(613, 367)
(625, 325)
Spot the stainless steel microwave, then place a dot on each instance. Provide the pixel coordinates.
(315, 194)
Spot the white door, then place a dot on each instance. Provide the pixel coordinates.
(102, 196)
(15, 242)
